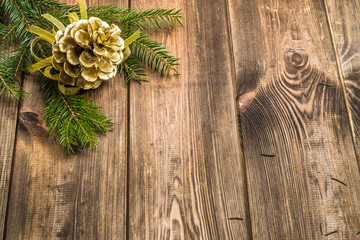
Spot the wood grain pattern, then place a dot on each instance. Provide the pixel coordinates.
(185, 171)
(56, 196)
(8, 113)
(344, 19)
(8, 123)
(282, 53)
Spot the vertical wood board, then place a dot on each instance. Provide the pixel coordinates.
(185, 171)
(283, 55)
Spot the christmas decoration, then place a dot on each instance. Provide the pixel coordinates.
(76, 54)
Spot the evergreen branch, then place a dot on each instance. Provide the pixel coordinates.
(9, 70)
(20, 11)
(11, 30)
(73, 119)
(55, 8)
(20, 61)
(154, 55)
(11, 88)
(153, 18)
(107, 13)
(51, 4)
(134, 69)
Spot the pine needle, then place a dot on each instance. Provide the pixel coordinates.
(326, 84)
(267, 155)
(321, 230)
(331, 233)
(339, 181)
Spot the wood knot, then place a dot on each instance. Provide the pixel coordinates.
(297, 63)
(296, 57)
(243, 101)
(32, 122)
(29, 117)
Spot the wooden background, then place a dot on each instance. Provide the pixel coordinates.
(185, 155)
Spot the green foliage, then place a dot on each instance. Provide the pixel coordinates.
(107, 13)
(154, 55)
(153, 18)
(74, 119)
(134, 69)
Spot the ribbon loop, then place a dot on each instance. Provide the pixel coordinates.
(40, 64)
(48, 74)
(47, 36)
(73, 17)
(35, 40)
(67, 90)
(54, 21)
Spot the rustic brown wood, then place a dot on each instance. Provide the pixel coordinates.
(8, 122)
(283, 52)
(344, 20)
(56, 196)
(186, 174)
(8, 113)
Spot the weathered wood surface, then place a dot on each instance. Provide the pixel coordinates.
(186, 175)
(56, 196)
(8, 122)
(8, 113)
(344, 19)
(282, 53)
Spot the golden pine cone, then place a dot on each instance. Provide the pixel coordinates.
(87, 52)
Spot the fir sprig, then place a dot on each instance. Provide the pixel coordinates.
(155, 55)
(108, 13)
(153, 18)
(73, 119)
(134, 69)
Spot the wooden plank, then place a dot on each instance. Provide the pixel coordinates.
(283, 52)
(185, 171)
(56, 196)
(344, 20)
(8, 113)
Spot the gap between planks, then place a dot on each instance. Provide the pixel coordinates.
(238, 123)
(340, 71)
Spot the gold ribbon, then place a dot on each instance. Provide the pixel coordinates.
(48, 74)
(54, 21)
(126, 53)
(67, 90)
(127, 42)
(47, 62)
(73, 17)
(35, 40)
(40, 64)
(132, 38)
(83, 12)
(47, 36)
